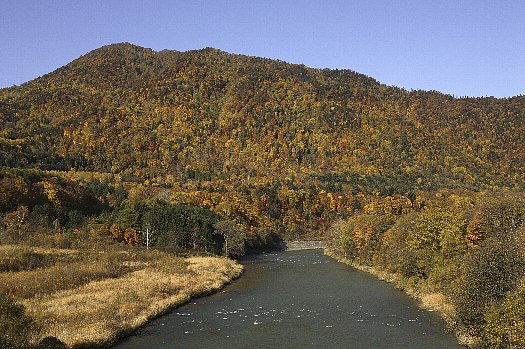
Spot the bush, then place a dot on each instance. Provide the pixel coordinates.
(437, 230)
(234, 238)
(16, 327)
(496, 218)
(505, 321)
(334, 239)
(51, 343)
(361, 236)
(494, 269)
(23, 258)
(186, 226)
(394, 253)
(445, 275)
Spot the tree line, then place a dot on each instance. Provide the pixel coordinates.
(467, 246)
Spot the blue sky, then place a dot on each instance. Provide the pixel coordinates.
(461, 47)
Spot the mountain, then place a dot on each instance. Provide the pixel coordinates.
(211, 115)
(216, 152)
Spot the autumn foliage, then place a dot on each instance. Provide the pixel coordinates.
(220, 153)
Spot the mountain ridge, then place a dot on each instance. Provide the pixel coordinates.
(220, 153)
(128, 45)
(125, 108)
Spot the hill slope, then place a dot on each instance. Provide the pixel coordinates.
(208, 114)
(245, 151)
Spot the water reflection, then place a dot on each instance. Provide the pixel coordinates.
(299, 299)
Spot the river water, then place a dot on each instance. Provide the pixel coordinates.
(298, 299)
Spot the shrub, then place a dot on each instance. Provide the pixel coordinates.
(51, 343)
(15, 326)
(367, 233)
(16, 223)
(496, 218)
(494, 269)
(361, 236)
(23, 258)
(445, 275)
(394, 253)
(437, 230)
(234, 238)
(505, 321)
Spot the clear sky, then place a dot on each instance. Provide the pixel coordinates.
(461, 47)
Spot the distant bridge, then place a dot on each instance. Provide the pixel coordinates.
(303, 245)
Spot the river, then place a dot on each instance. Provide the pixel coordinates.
(298, 299)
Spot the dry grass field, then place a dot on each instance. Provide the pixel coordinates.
(90, 297)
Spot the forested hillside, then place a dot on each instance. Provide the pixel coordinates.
(211, 115)
(220, 153)
(275, 146)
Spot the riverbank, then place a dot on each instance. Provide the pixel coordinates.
(298, 300)
(87, 298)
(430, 301)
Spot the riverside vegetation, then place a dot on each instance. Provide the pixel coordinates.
(463, 254)
(83, 299)
(215, 153)
(74, 272)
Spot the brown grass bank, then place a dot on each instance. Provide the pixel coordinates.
(97, 298)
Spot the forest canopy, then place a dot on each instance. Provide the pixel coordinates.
(217, 153)
(209, 115)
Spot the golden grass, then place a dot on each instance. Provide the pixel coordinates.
(103, 310)
(64, 273)
(23, 258)
(42, 250)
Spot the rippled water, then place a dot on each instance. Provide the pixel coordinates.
(299, 299)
